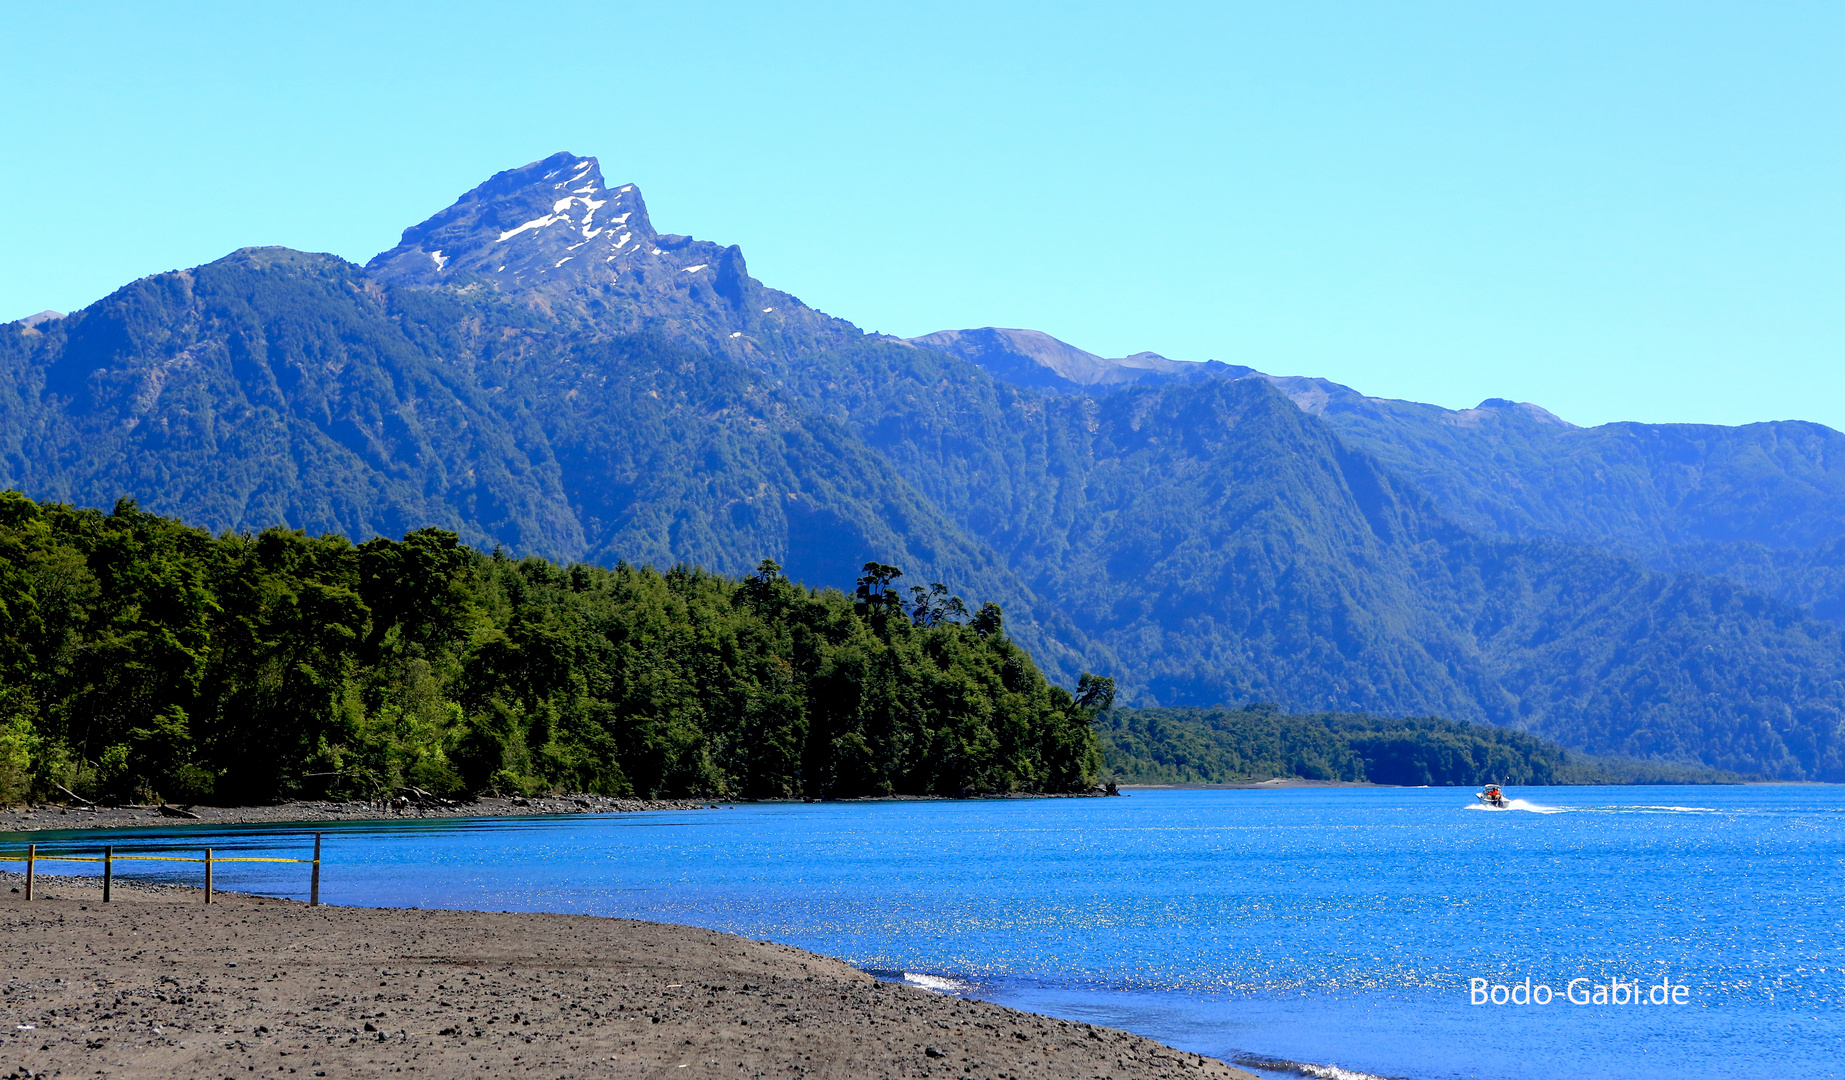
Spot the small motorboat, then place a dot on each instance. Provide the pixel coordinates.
(1492, 797)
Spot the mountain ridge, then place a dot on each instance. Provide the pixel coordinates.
(1695, 498)
(1038, 360)
(1206, 533)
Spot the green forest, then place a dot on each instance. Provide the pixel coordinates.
(1261, 742)
(142, 659)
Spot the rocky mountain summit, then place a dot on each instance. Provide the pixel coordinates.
(554, 235)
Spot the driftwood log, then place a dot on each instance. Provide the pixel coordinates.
(73, 795)
(420, 797)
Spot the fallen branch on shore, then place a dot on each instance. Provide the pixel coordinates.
(73, 795)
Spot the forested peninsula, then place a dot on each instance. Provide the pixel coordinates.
(1259, 742)
(144, 659)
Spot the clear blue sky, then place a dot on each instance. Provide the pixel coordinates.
(1616, 210)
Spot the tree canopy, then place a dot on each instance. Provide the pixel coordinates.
(143, 658)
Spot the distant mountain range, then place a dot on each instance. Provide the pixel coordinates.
(1762, 505)
(536, 367)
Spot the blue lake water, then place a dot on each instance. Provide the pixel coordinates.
(1334, 926)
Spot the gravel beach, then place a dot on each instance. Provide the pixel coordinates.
(309, 813)
(157, 983)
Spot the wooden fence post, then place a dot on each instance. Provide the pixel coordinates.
(108, 870)
(31, 867)
(314, 888)
(208, 875)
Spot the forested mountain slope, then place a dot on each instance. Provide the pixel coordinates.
(1227, 546)
(1517, 470)
(277, 388)
(1761, 505)
(1205, 540)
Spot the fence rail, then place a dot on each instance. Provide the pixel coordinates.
(109, 858)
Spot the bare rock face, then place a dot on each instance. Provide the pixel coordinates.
(1038, 360)
(553, 235)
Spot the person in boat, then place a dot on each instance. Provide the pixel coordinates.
(1493, 795)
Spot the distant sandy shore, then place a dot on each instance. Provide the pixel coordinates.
(1254, 785)
(158, 984)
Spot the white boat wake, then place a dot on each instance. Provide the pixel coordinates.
(1518, 804)
(1538, 808)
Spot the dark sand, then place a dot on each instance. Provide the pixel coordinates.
(159, 984)
(309, 813)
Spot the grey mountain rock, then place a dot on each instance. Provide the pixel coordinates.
(1036, 359)
(31, 323)
(555, 236)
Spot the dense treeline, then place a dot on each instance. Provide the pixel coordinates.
(1259, 742)
(141, 658)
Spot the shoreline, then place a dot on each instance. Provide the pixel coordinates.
(45, 817)
(158, 983)
(309, 812)
(1275, 784)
